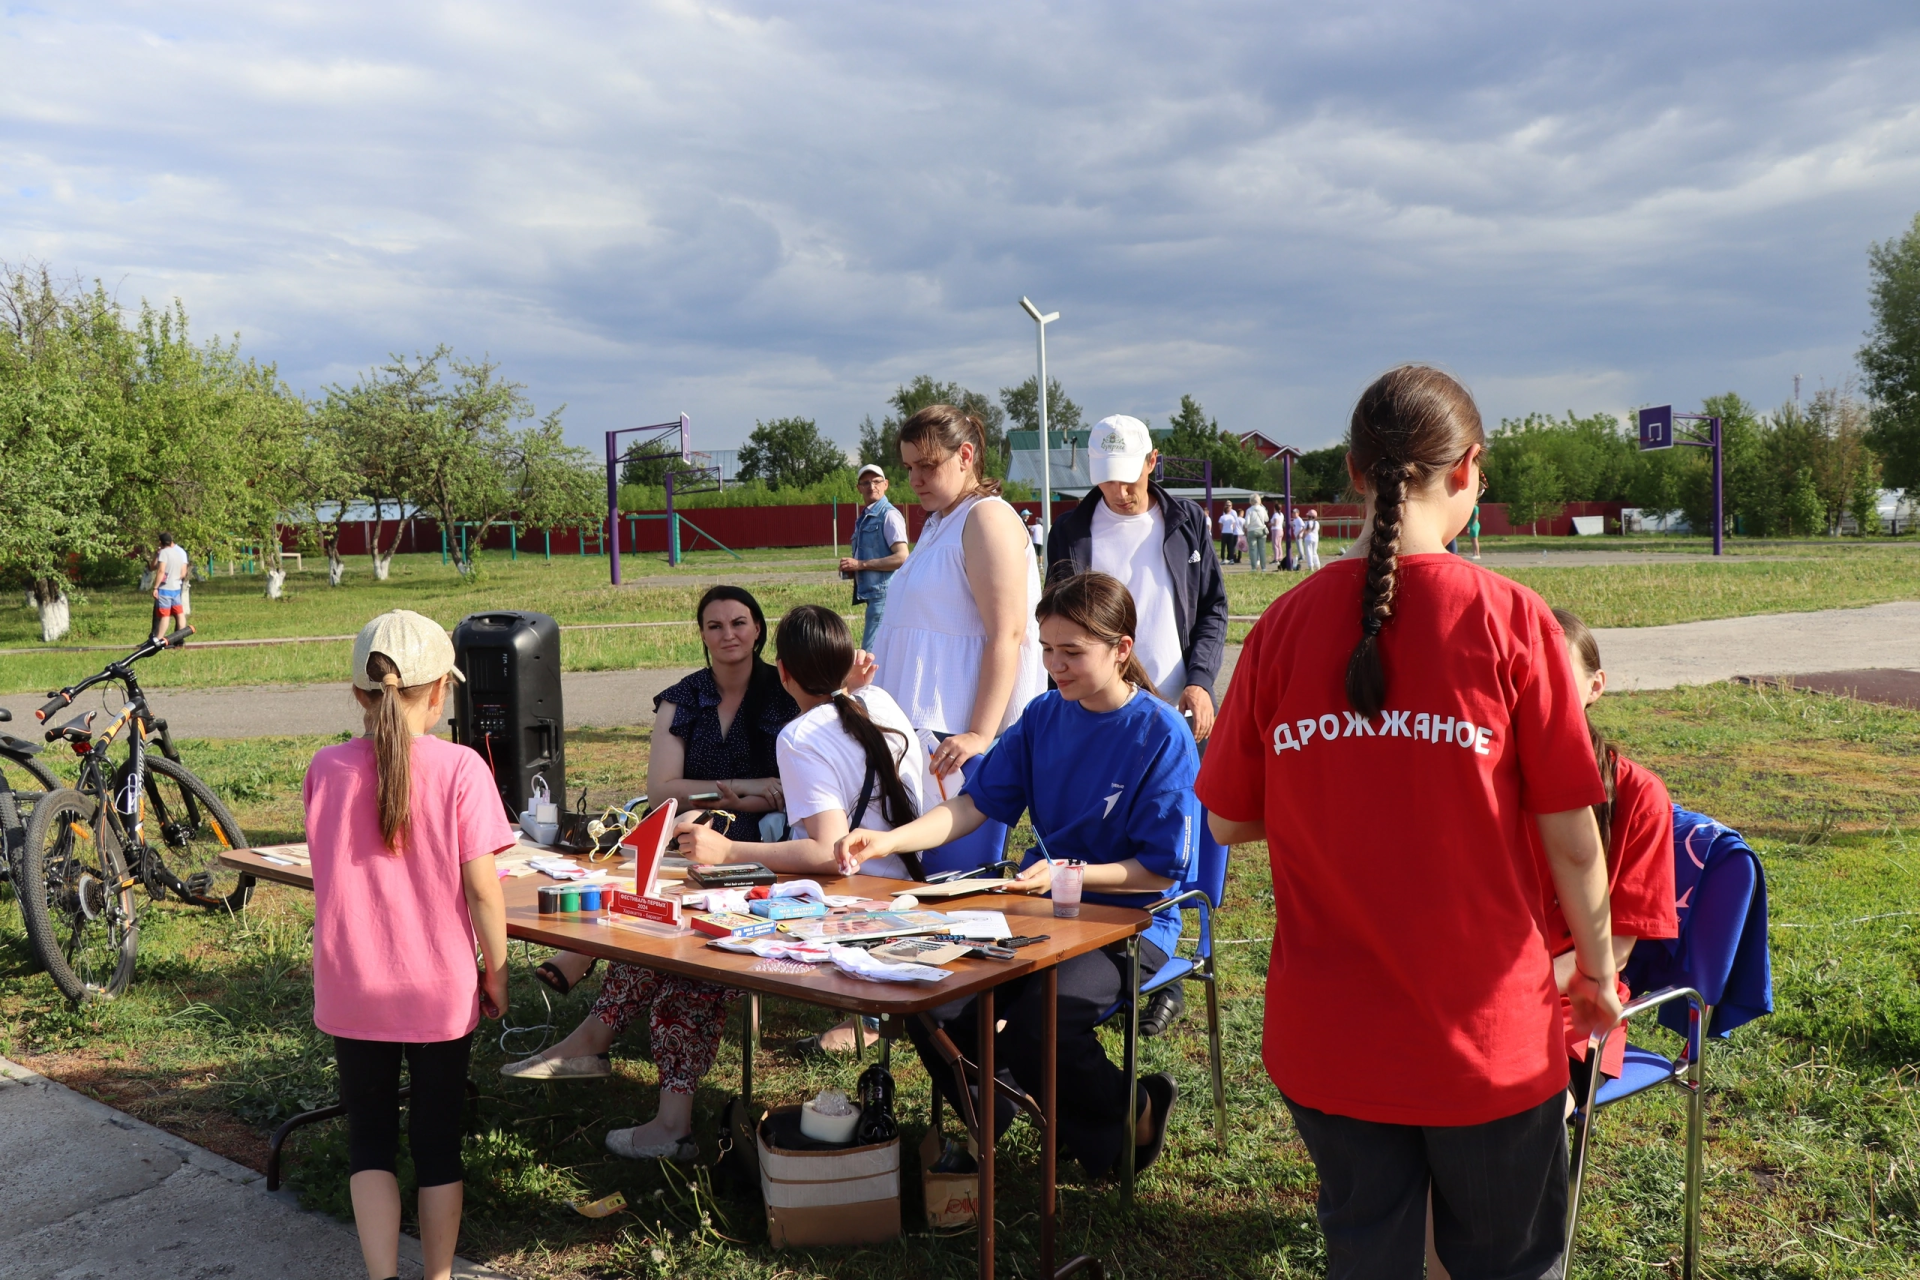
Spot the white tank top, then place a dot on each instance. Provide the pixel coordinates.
(931, 639)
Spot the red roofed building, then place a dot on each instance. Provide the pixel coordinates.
(1268, 449)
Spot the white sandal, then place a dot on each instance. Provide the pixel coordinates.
(678, 1150)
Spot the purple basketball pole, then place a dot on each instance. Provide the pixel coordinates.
(653, 447)
(1719, 512)
(1287, 455)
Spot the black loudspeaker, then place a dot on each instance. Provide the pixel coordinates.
(509, 708)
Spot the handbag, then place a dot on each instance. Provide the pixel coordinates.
(737, 1127)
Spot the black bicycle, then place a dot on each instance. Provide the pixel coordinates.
(148, 822)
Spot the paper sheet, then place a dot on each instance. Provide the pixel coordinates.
(858, 964)
(985, 926)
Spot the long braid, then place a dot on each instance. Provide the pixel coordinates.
(1366, 673)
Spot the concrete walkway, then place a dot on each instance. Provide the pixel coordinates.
(92, 1193)
(1880, 636)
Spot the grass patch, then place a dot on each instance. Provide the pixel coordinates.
(1784, 577)
(1811, 1169)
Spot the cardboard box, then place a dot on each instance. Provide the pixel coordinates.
(952, 1199)
(845, 1196)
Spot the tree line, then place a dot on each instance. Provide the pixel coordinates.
(116, 427)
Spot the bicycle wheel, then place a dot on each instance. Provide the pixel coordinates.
(77, 899)
(43, 779)
(188, 828)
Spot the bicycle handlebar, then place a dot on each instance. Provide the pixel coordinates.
(114, 671)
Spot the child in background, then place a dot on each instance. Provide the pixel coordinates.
(1397, 726)
(1106, 770)
(1636, 825)
(402, 828)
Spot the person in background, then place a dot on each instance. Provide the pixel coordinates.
(1105, 770)
(1310, 539)
(1473, 529)
(1225, 528)
(1037, 533)
(824, 754)
(879, 548)
(1298, 528)
(1636, 826)
(713, 738)
(171, 569)
(959, 649)
(1256, 518)
(402, 828)
(1156, 545)
(1361, 717)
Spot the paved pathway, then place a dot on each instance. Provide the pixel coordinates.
(1880, 636)
(92, 1193)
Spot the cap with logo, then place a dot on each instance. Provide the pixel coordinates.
(1117, 449)
(871, 469)
(416, 644)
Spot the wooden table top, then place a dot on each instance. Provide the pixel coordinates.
(1097, 926)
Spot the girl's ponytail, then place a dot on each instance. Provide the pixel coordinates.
(813, 644)
(1581, 637)
(895, 804)
(1413, 423)
(392, 754)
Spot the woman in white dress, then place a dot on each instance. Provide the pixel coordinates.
(1310, 540)
(959, 649)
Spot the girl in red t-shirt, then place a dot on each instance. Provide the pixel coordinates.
(1398, 727)
(1636, 822)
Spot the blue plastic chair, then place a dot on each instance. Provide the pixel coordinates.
(1715, 976)
(1202, 890)
(983, 848)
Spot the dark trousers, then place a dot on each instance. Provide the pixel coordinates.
(1499, 1194)
(1092, 1091)
(370, 1090)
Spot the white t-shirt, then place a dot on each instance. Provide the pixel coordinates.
(1034, 531)
(173, 567)
(1133, 549)
(822, 766)
(895, 525)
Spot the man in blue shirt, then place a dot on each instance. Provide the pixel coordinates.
(879, 548)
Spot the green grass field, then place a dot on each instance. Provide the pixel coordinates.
(1811, 1171)
(1760, 577)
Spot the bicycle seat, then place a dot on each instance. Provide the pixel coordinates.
(18, 746)
(5, 715)
(78, 730)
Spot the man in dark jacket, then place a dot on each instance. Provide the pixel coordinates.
(1159, 546)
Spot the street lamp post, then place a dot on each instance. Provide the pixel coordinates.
(1040, 324)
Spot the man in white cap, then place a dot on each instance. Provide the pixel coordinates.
(879, 548)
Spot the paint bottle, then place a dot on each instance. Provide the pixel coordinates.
(549, 900)
(569, 899)
(590, 899)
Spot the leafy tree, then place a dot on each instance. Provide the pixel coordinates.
(1802, 510)
(1195, 435)
(1535, 490)
(1891, 358)
(1022, 404)
(1319, 475)
(379, 422)
(789, 452)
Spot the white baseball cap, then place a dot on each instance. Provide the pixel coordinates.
(872, 467)
(1118, 449)
(417, 644)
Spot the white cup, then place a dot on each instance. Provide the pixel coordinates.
(1067, 876)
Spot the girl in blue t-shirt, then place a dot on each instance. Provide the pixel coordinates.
(1106, 770)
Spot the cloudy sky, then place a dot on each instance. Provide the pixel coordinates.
(748, 210)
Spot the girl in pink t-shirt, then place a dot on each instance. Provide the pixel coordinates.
(402, 828)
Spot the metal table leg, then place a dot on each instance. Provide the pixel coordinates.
(749, 1035)
(987, 1109)
(1049, 1102)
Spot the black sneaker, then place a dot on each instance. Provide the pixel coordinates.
(1163, 1092)
(1166, 1007)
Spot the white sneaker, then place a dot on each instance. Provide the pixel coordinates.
(679, 1150)
(594, 1066)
